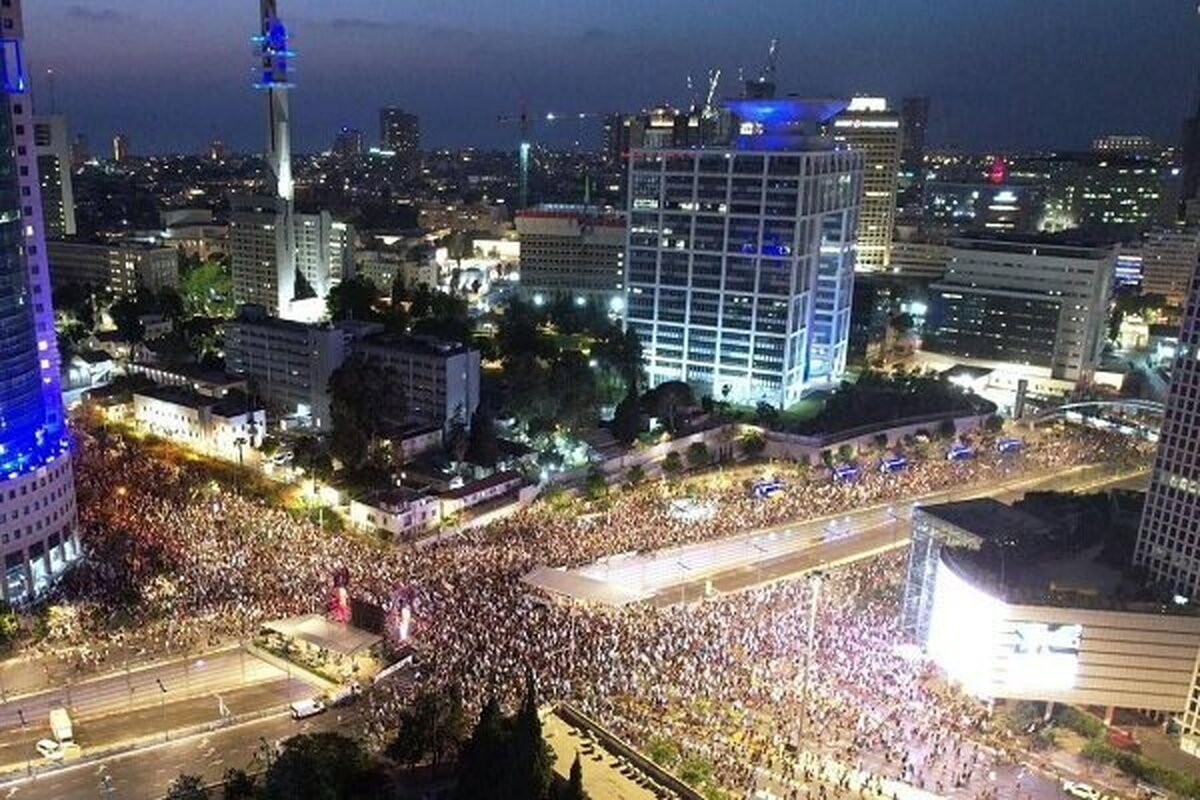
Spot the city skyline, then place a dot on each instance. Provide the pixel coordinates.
(998, 78)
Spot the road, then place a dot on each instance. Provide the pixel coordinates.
(145, 774)
(858, 534)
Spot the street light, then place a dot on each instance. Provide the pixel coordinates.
(162, 704)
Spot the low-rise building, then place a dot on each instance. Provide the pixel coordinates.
(120, 267)
(225, 427)
(475, 493)
(572, 250)
(207, 382)
(399, 511)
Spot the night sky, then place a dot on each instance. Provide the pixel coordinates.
(1001, 73)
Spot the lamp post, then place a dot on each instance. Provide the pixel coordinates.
(162, 705)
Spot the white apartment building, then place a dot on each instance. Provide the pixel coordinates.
(225, 427)
(440, 379)
(289, 363)
(53, 143)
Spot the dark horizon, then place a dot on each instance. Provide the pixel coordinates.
(1011, 75)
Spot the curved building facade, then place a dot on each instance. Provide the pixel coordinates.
(38, 528)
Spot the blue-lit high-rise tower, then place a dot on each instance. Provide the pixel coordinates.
(37, 494)
(740, 254)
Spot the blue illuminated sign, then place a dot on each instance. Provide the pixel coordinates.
(845, 472)
(960, 452)
(12, 68)
(893, 464)
(1010, 445)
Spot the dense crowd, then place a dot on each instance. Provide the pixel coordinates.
(185, 563)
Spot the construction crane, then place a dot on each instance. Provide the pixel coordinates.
(524, 122)
(764, 85)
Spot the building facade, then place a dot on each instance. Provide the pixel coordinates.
(225, 427)
(1023, 302)
(289, 363)
(54, 169)
(572, 250)
(440, 379)
(38, 520)
(1169, 259)
(869, 126)
(1167, 541)
(120, 267)
(399, 132)
(319, 250)
(739, 262)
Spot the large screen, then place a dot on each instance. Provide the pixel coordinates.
(1041, 655)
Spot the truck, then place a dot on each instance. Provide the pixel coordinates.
(60, 726)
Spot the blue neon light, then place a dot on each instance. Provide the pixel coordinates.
(276, 56)
(766, 488)
(960, 452)
(11, 66)
(18, 464)
(845, 472)
(778, 112)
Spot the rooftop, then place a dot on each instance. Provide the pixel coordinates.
(423, 345)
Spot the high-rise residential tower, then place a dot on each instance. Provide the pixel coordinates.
(740, 257)
(54, 168)
(399, 131)
(38, 536)
(870, 126)
(120, 148)
(1167, 544)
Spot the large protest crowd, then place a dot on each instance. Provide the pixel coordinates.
(186, 563)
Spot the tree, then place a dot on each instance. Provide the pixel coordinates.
(366, 402)
(10, 625)
(506, 757)
(752, 444)
(574, 383)
(697, 455)
(668, 399)
(456, 440)
(239, 785)
(766, 415)
(483, 448)
(432, 725)
(947, 429)
(596, 483)
(635, 475)
(881, 441)
(323, 766)
(846, 452)
(627, 419)
(672, 465)
(994, 424)
(187, 787)
(574, 788)
(207, 290)
(353, 298)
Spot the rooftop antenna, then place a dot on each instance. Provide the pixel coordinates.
(714, 78)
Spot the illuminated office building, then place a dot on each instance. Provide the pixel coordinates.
(869, 126)
(739, 261)
(38, 530)
(1169, 258)
(1167, 541)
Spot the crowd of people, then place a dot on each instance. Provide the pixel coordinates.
(186, 563)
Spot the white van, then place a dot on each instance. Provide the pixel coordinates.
(302, 709)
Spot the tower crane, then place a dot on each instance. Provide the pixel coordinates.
(525, 122)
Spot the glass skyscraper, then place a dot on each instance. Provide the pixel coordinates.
(38, 535)
(740, 255)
